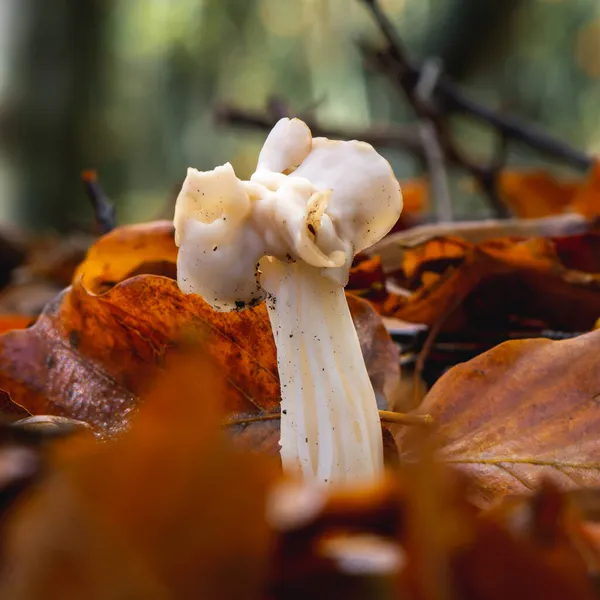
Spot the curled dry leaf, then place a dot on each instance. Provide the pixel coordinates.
(9, 322)
(537, 193)
(9, 410)
(177, 529)
(497, 284)
(424, 540)
(531, 194)
(522, 411)
(147, 248)
(89, 357)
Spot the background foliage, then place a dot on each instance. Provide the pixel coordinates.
(129, 86)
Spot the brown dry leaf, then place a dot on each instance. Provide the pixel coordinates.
(488, 284)
(416, 535)
(54, 259)
(9, 410)
(533, 194)
(523, 411)
(455, 553)
(128, 251)
(587, 198)
(155, 514)
(415, 195)
(557, 523)
(27, 298)
(8, 322)
(90, 357)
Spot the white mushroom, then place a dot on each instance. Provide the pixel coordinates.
(290, 233)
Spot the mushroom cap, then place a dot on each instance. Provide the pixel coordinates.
(219, 250)
(286, 146)
(315, 200)
(366, 200)
(208, 195)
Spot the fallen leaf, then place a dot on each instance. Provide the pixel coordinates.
(9, 410)
(495, 284)
(27, 298)
(90, 357)
(587, 198)
(8, 322)
(176, 529)
(415, 197)
(147, 248)
(523, 411)
(557, 523)
(535, 193)
(54, 259)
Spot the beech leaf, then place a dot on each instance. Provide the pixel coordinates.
(523, 411)
(89, 357)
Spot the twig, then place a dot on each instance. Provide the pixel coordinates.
(429, 343)
(455, 100)
(431, 144)
(104, 211)
(395, 63)
(392, 247)
(386, 416)
(406, 138)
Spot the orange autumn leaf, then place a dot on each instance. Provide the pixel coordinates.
(532, 278)
(8, 322)
(415, 196)
(153, 514)
(523, 411)
(533, 194)
(147, 248)
(90, 357)
(446, 249)
(9, 410)
(587, 199)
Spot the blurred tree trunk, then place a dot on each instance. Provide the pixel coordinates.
(59, 84)
(470, 35)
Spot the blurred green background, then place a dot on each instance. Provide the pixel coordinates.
(129, 86)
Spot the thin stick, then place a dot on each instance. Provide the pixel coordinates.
(399, 137)
(457, 101)
(386, 416)
(104, 211)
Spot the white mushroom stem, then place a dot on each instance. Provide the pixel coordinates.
(330, 428)
(314, 203)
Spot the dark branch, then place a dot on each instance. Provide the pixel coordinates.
(104, 211)
(395, 62)
(405, 138)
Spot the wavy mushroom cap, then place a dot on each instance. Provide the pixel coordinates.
(219, 250)
(315, 200)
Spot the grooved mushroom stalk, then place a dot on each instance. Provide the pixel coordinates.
(289, 235)
(330, 425)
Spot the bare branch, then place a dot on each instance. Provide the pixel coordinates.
(104, 211)
(394, 62)
(398, 137)
(392, 247)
